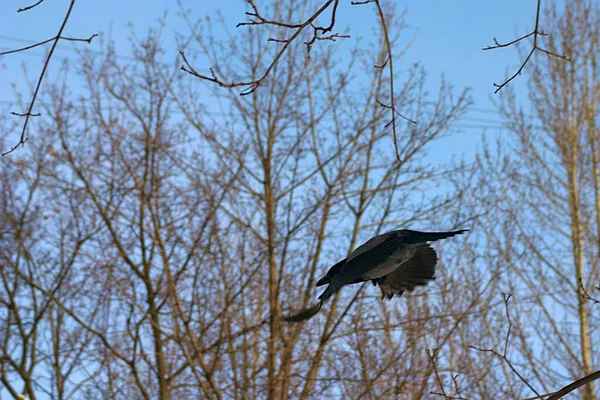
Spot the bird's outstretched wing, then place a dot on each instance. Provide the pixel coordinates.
(413, 237)
(417, 271)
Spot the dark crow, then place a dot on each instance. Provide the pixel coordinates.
(397, 261)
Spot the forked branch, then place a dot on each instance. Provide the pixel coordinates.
(256, 18)
(536, 33)
(586, 295)
(29, 113)
(390, 64)
(503, 356)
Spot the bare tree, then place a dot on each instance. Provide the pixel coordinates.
(545, 183)
(156, 231)
(536, 34)
(172, 234)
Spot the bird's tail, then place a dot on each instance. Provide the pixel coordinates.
(304, 314)
(310, 312)
(420, 237)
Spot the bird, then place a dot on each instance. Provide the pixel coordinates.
(396, 261)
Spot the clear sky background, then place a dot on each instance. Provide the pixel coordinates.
(450, 35)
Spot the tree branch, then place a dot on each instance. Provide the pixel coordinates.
(503, 356)
(575, 385)
(390, 64)
(535, 33)
(251, 86)
(30, 7)
(29, 113)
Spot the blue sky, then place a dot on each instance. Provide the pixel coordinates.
(450, 35)
(449, 38)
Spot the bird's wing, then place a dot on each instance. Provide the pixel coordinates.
(373, 243)
(370, 262)
(417, 271)
(413, 237)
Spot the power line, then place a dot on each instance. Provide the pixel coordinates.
(485, 123)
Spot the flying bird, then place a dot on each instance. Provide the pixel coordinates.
(397, 261)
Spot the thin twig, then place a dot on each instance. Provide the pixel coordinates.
(498, 45)
(396, 111)
(24, 114)
(431, 354)
(585, 293)
(29, 113)
(258, 19)
(456, 383)
(535, 33)
(324, 30)
(31, 46)
(390, 64)
(447, 397)
(30, 7)
(360, 289)
(506, 297)
(3, 53)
